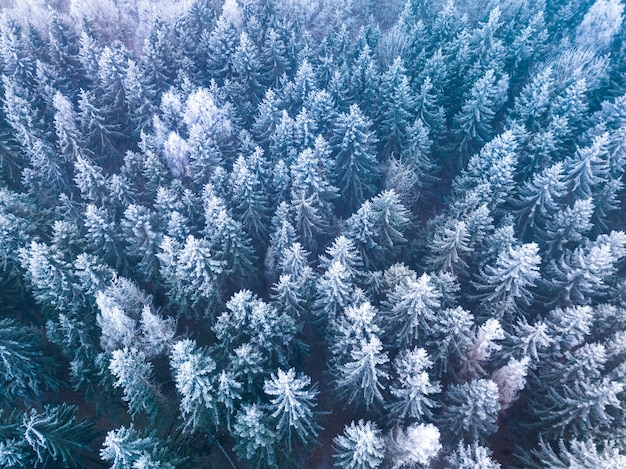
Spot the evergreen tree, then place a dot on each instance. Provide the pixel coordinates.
(473, 122)
(418, 446)
(255, 438)
(126, 448)
(134, 374)
(412, 386)
(362, 378)
(25, 371)
(412, 306)
(470, 457)
(54, 434)
(471, 410)
(292, 405)
(505, 286)
(355, 169)
(192, 369)
(377, 228)
(360, 446)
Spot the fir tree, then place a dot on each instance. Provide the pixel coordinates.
(192, 369)
(362, 378)
(292, 405)
(360, 446)
(355, 169)
(471, 410)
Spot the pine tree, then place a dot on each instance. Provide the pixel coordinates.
(355, 169)
(377, 228)
(25, 370)
(412, 386)
(250, 199)
(575, 453)
(538, 198)
(412, 306)
(126, 448)
(362, 378)
(471, 456)
(505, 287)
(255, 438)
(418, 446)
(249, 320)
(134, 374)
(247, 69)
(54, 434)
(471, 410)
(334, 290)
(473, 123)
(292, 404)
(360, 446)
(449, 247)
(193, 368)
(588, 168)
(274, 60)
(396, 105)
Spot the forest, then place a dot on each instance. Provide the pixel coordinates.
(312, 234)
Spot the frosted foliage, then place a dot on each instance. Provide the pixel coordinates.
(360, 446)
(511, 379)
(125, 446)
(193, 377)
(292, 402)
(472, 456)
(202, 110)
(171, 106)
(360, 379)
(600, 25)
(485, 342)
(231, 11)
(413, 385)
(415, 447)
(176, 152)
(118, 330)
(471, 410)
(156, 331)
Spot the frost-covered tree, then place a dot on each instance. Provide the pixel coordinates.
(362, 378)
(471, 409)
(412, 306)
(134, 374)
(56, 436)
(412, 386)
(360, 446)
(377, 228)
(471, 456)
(418, 446)
(193, 375)
(127, 448)
(25, 370)
(356, 168)
(504, 288)
(292, 404)
(255, 437)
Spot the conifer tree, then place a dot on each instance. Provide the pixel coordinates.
(505, 286)
(55, 434)
(362, 378)
(355, 169)
(127, 448)
(192, 369)
(360, 446)
(412, 386)
(134, 374)
(471, 410)
(255, 437)
(292, 403)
